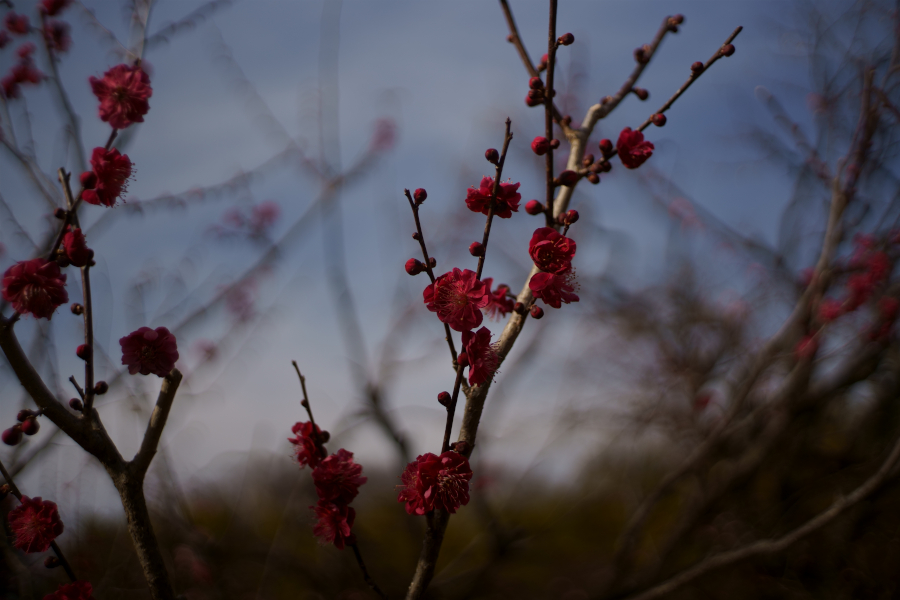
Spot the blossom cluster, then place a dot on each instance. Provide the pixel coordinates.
(435, 482)
(337, 479)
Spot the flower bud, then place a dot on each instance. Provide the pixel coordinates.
(62, 260)
(420, 195)
(415, 235)
(101, 388)
(88, 180)
(519, 308)
(476, 249)
(658, 119)
(529, 101)
(588, 160)
(677, 19)
(76, 404)
(605, 166)
(639, 55)
(540, 145)
(537, 94)
(593, 178)
(606, 147)
(727, 50)
(59, 213)
(51, 562)
(77, 309)
(324, 436)
(533, 207)
(83, 352)
(537, 312)
(24, 414)
(12, 436)
(444, 398)
(492, 156)
(432, 262)
(462, 447)
(545, 59)
(641, 93)
(462, 359)
(568, 178)
(554, 143)
(697, 68)
(567, 120)
(30, 426)
(414, 266)
(571, 217)
(535, 83)
(566, 39)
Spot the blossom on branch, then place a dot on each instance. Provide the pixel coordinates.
(551, 251)
(479, 200)
(483, 359)
(35, 287)
(334, 523)
(553, 289)
(148, 351)
(306, 450)
(76, 248)
(112, 171)
(56, 34)
(77, 590)
(499, 305)
(337, 478)
(633, 150)
(35, 524)
(16, 23)
(123, 94)
(432, 481)
(458, 297)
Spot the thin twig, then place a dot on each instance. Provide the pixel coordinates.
(694, 77)
(365, 572)
(507, 138)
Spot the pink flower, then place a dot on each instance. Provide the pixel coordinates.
(507, 198)
(23, 71)
(77, 590)
(306, 451)
(112, 170)
(53, 7)
(35, 287)
(830, 309)
(56, 34)
(432, 482)
(458, 297)
(76, 249)
(16, 23)
(123, 94)
(148, 351)
(338, 478)
(499, 304)
(552, 289)
(551, 251)
(263, 216)
(333, 526)
(633, 150)
(483, 359)
(35, 524)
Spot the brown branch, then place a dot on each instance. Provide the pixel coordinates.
(774, 546)
(421, 237)
(365, 572)
(523, 54)
(157, 422)
(507, 138)
(548, 113)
